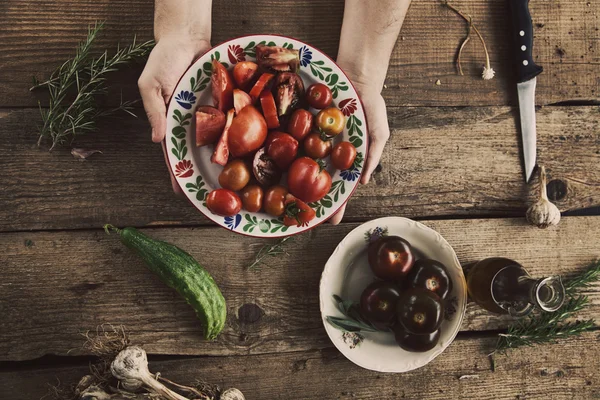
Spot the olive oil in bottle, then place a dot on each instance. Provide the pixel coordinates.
(503, 286)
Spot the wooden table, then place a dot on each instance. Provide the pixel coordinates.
(453, 161)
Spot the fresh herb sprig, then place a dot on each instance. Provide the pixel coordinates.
(86, 76)
(269, 250)
(353, 321)
(549, 327)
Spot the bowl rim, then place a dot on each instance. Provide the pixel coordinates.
(277, 235)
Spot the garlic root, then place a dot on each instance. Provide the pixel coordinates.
(543, 213)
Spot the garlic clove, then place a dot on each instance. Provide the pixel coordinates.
(543, 213)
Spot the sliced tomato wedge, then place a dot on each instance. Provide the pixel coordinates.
(241, 99)
(244, 74)
(222, 86)
(209, 125)
(260, 85)
(269, 109)
(221, 153)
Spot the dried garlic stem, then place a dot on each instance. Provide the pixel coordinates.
(460, 50)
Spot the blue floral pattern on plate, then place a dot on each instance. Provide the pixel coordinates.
(185, 99)
(350, 175)
(233, 222)
(305, 56)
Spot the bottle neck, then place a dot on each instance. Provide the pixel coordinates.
(548, 294)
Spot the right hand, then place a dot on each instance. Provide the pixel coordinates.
(167, 62)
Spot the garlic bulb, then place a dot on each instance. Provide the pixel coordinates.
(232, 394)
(543, 213)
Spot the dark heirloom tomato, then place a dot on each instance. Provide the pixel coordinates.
(431, 275)
(222, 87)
(300, 124)
(290, 90)
(244, 73)
(282, 148)
(391, 258)
(316, 147)
(274, 203)
(330, 121)
(378, 303)
(297, 212)
(416, 343)
(420, 311)
(265, 170)
(209, 125)
(241, 99)
(277, 59)
(235, 176)
(247, 133)
(260, 85)
(223, 202)
(319, 96)
(221, 153)
(252, 198)
(308, 180)
(267, 103)
(343, 155)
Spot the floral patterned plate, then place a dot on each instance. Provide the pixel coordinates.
(197, 176)
(347, 273)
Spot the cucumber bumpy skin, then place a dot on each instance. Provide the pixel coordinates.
(183, 273)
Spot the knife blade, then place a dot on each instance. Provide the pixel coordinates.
(527, 70)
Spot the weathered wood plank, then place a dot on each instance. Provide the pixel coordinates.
(35, 37)
(569, 370)
(439, 162)
(56, 285)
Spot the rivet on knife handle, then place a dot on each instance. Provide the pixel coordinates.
(522, 28)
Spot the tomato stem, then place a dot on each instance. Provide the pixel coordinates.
(322, 164)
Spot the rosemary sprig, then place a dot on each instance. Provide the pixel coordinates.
(583, 280)
(86, 76)
(353, 321)
(269, 250)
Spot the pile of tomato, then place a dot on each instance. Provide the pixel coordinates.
(263, 128)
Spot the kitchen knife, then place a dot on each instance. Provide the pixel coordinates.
(527, 71)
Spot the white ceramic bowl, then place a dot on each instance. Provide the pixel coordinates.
(347, 273)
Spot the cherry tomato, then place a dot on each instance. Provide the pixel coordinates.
(282, 148)
(274, 203)
(297, 212)
(221, 153)
(210, 122)
(330, 121)
(391, 258)
(319, 96)
(247, 133)
(343, 155)
(222, 87)
(267, 103)
(244, 73)
(223, 202)
(252, 198)
(315, 147)
(235, 176)
(241, 99)
(290, 90)
(300, 124)
(260, 85)
(308, 180)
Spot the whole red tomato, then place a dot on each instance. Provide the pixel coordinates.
(300, 123)
(247, 133)
(252, 198)
(210, 122)
(391, 258)
(316, 147)
(308, 180)
(343, 155)
(297, 212)
(274, 202)
(235, 176)
(319, 96)
(282, 148)
(244, 73)
(223, 202)
(222, 87)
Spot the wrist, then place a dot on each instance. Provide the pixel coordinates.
(196, 43)
(365, 80)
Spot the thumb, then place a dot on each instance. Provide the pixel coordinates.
(155, 107)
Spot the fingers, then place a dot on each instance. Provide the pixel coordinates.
(155, 107)
(174, 184)
(379, 133)
(337, 217)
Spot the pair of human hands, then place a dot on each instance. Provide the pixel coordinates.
(171, 57)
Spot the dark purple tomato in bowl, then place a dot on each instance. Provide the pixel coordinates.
(431, 275)
(416, 343)
(420, 311)
(379, 302)
(391, 258)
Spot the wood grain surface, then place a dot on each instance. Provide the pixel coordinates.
(565, 371)
(37, 36)
(438, 162)
(57, 285)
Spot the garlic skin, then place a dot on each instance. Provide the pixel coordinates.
(543, 213)
(232, 394)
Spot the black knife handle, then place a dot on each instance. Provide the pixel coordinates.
(523, 40)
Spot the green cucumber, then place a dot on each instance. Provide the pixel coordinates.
(182, 272)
